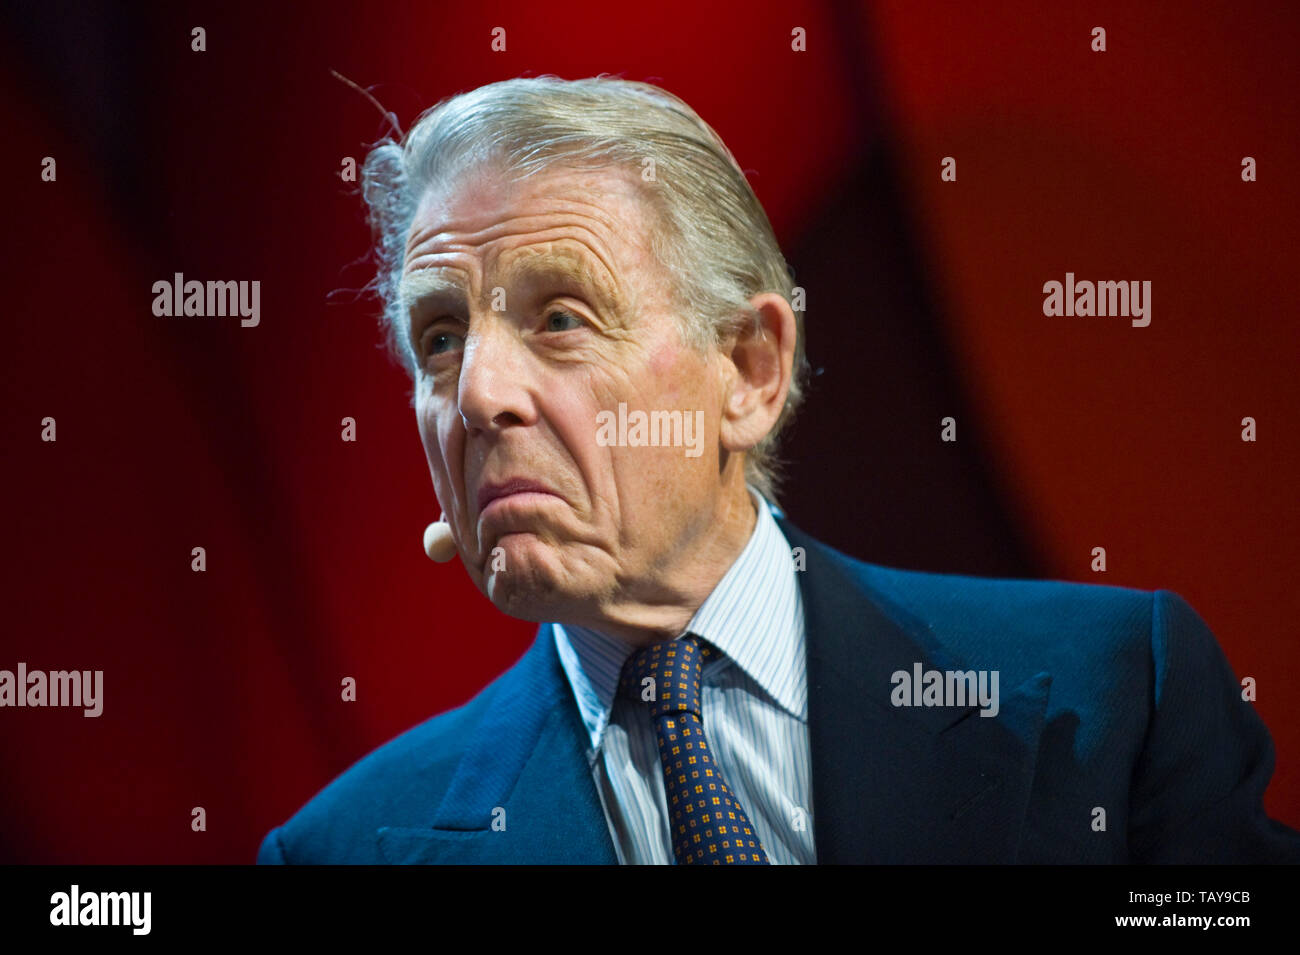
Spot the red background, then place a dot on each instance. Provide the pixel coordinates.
(222, 689)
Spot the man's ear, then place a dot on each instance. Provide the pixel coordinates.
(760, 362)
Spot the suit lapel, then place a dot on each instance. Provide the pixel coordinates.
(523, 792)
(904, 784)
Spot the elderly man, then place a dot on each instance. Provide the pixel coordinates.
(597, 321)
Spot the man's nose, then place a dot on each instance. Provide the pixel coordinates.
(493, 388)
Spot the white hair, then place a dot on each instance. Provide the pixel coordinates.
(714, 238)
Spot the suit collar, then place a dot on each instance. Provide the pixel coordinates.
(523, 791)
(893, 784)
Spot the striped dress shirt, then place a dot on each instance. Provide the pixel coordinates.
(755, 703)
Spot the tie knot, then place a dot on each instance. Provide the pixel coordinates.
(667, 675)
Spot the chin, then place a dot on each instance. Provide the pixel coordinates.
(534, 582)
(528, 582)
(533, 600)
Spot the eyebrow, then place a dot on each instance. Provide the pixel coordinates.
(423, 284)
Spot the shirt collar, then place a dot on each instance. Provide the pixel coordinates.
(754, 616)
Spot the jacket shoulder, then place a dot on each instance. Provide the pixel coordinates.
(1098, 643)
(966, 612)
(400, 783)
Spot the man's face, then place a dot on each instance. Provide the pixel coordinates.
(534, 306)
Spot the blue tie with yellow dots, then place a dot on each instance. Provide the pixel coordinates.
(708, 825)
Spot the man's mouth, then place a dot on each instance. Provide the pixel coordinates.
(496, 491)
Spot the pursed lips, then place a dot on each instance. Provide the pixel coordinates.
(495, 491)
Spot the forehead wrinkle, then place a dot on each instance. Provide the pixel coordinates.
(580, 256)
(463, 237)
(564, 203)
(455, 235)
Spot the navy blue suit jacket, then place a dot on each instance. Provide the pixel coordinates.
(1111, 698)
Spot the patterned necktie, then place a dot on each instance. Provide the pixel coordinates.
(708, 825)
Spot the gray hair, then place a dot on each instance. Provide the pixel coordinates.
(714, 237)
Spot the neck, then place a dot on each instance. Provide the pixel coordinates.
(656, 610)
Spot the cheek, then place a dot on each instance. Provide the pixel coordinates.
(663, 360)
(681, 378)
(570, 409)
(438, 440)
(669, 370)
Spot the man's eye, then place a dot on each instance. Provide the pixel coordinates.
(562, 322)
(440, 342)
